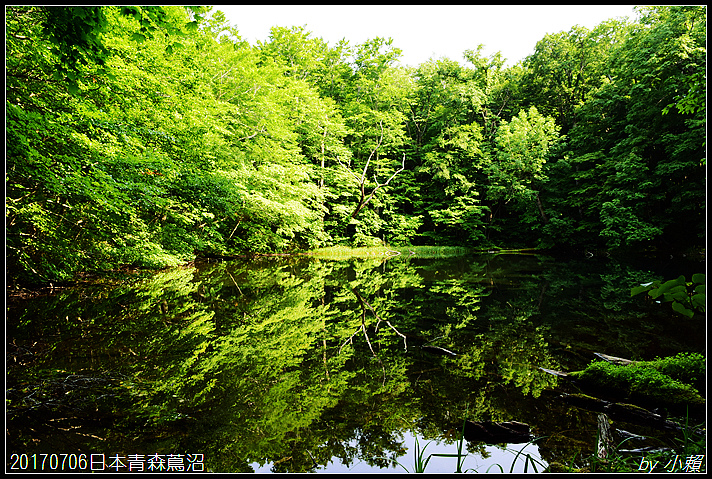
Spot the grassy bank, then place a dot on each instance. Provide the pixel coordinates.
(345, 252)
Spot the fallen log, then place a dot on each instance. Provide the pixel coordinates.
(438, 350)
(621, 412)
(511, 432)
(560, 374)
(639, 382)
(605, 357)
(615, 360)
(646, 450)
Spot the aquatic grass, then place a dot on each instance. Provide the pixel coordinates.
(420, 462)
(420, 465)
(459, 455)
(345, 252)
(528, 459)
(688, 445)
(433, 251)
(460, 444)
(501, 469)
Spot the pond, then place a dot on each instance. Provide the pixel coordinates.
(309, 364)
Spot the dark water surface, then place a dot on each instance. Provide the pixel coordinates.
(303, 364)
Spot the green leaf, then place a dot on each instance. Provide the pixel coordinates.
(137, 37)
(698, 301)
(666, 286)
(641, 289)
(698, 278)
(679, 308)
(677, 294)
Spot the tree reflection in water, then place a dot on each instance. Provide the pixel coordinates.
(258, 363)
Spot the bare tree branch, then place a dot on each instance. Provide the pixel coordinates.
(365, 168)
(349, 170)
(256, 132)
(364, 200)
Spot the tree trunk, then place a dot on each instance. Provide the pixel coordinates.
(541, 209)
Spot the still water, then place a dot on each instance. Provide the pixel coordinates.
(305, 364)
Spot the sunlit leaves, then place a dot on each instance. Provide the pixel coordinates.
(158, 129)
(138, 136)
(567, 66)
(522, 150)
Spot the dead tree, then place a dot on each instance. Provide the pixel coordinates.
(364, 198)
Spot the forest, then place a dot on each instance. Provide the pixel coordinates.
(145, 137)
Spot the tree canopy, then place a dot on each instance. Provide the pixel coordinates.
(147, 136)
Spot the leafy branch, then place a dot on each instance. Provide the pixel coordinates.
(686, 297)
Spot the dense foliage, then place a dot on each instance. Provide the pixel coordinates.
(146, 136)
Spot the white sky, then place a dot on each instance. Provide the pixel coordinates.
(425, 31)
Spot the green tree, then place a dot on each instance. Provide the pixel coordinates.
(567, 66)
(518, 171)
(636, 168)
(300, 54)
(488, 75)
(446, 125)
(192, 145)
(375, 133)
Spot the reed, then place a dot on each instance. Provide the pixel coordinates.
(528, 459)
(420, 461)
